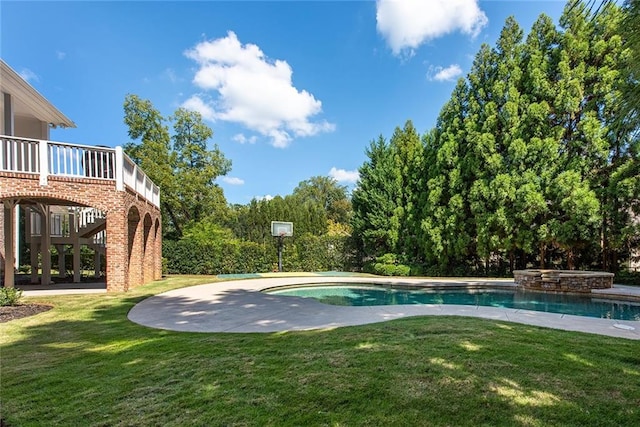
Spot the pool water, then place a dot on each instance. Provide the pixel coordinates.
(369, 295)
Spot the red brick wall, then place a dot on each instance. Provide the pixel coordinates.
(129, 262)
(149, 250)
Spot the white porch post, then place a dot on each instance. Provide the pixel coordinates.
(43, 155)
(9, 228)
(73, 225)
(119, 169)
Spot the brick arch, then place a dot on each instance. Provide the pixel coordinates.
(148, 244)
(135, 249)
(60, 200)
(93, 193)
(125, 251)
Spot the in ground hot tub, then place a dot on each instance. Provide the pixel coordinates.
(563, 280)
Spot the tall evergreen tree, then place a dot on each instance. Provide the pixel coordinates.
(541, 151)
(407, 149)
(445, 227)
(617, 180)
(374, 202)
(534, 154)
(495, 139)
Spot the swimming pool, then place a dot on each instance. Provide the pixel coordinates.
(372, 295)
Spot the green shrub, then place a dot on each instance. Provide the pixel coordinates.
(188, 256)
(10, 296)
(416, 270)
(402, 270)
(384, 269)
(165, 266)
(306, 252)
(388, 265)
(627, 278)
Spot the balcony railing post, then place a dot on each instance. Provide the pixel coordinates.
(43, 155)
(119, 169)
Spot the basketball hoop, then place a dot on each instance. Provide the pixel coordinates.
(281, 229)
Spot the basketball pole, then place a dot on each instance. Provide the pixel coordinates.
(280, 244)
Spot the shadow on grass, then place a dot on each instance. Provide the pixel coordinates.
(85, 363)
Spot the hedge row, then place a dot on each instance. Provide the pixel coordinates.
(225, 257)
(305, 253)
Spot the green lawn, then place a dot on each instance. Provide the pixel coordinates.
(83, 363)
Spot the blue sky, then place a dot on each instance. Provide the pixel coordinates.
(291, 89)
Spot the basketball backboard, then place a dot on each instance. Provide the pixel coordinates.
(281, 229)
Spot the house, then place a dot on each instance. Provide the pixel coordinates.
(70, 195)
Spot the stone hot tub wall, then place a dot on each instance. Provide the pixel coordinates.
(563, 280)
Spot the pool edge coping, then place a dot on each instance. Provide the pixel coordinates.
(218, 316)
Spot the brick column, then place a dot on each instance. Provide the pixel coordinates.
(8, 227)
(157, 232)
(117, 254)
(148, 250)
(135, 229)
(2, 243)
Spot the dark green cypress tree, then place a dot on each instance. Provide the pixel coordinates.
(446, 234)
(407, 149)
(375, 230)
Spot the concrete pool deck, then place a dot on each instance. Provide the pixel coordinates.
(239, 306)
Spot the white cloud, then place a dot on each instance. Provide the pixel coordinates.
(439, 74)
(60, 54)
(232, 180)
(241, 139)
(342, 175)
(195, 103)
(254, 91)
(265, 197)
(29, 75)
(406, 24)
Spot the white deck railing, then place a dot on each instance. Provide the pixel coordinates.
(48, 158)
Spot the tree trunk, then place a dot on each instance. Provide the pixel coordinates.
(604, 243)
(570, 259)
(542, 255)
(174, 219)
(511, 261)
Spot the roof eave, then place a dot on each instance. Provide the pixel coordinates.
(16, 86)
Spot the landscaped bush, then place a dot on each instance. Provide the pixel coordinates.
(10, 296)
(388, 265)
(628, 278)
(188, 256)
(318, 253)
(232, 256)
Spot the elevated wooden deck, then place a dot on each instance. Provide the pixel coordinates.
(41, 180)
